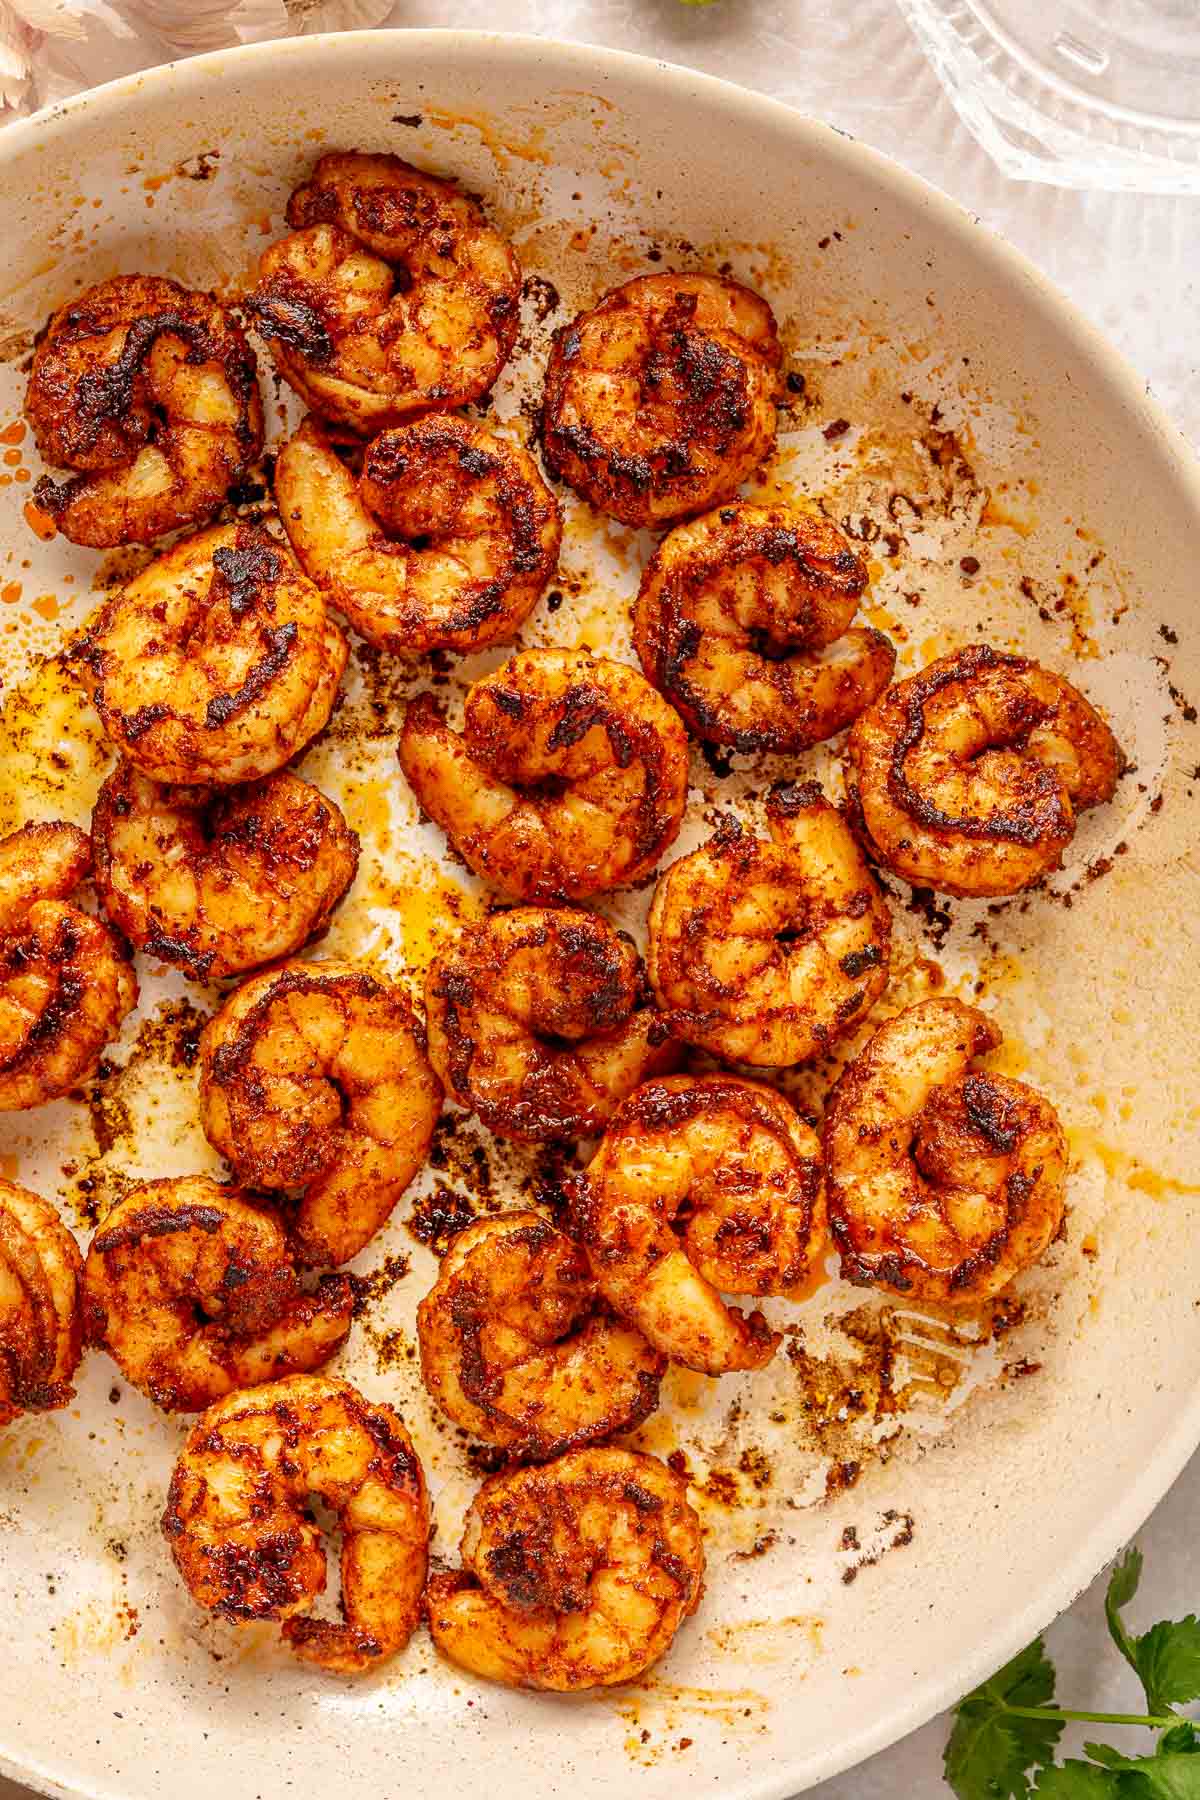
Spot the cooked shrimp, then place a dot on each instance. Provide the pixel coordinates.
(446, 541)
(518, 1348)
(660, 401)
(190, 1289)
(702, 1187)
(151, 392)
(65, 979)
(217, 663)
(239, 1528)
(219, 881)
(767, 952)
(391, 296)
(40, 1332)
(742, 621)
(577, 1574)
(944, 1182)
(968, 776)
(569, 778)
(539, 1022)
(314, 1081)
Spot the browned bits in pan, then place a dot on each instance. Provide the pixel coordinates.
(40, 1324)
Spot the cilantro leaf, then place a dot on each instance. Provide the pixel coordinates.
(1077, 1781)
(1122, 1586)
(1180, 1737)
(1168, 1662)
(1168, 1775)
(990, 1751)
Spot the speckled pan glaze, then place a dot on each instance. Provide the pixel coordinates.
(894, 1506)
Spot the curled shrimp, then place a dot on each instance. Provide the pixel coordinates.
(538, 1022)
(66, 982)
(150, 391)
(218, 881)
(191, 1291)
(239, 1528)
(660, 401)
(968, 776)
(569, 777)
(768, 951)
(577, 1574)
(40, 1330)
(314, 1081)
(217, 663)
(743, 621)
(518, 1348)
(703, 1186)
(391, 296)
(445, 541)
(944, 1181)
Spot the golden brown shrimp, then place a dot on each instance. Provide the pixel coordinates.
(40, 1329)
(944, 1182)
(391, 296)
(150, 391)
(538, 1021)
(65, 979)
(239, 1528)
(518, 1348)
(703, 1186)
(743, 621)
(968, 776)
(767, 952)
(660, 401)
(219, 881)
(569, 777)
(578, 1573)
(217, 663)
(314, 1081)
(445, 541)
(190, 1289)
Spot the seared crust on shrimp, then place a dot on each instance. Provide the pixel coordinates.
(660, 401)
(392, 295)
(743, 621)
(767, 952)
(40, 1330)
(539, 1022)
(150, 391)
(65, 979)
(702, 1187)
(569, 776)
(968, 776)
(518, 1347)
(217, 881)
(239, 1528)
(217, 663)
(576, 1574)
(314, 1081)
(445, 541)
(944, 1182)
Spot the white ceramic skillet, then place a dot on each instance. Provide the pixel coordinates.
(895, 1506)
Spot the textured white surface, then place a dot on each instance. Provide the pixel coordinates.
(1131, 263)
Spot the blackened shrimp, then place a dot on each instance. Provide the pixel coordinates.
(767, 951)
(569, 777)
(518, 1347)
(391, 296)
(40, 1328)
(540, 1023)
(445, 541)
(576, 1574)
(217, 663)
(944, 1181)
(969, 775)
(743, 621)
(703, 1186)
(314, 1082)
(150, 392)
(65, 979)
(219, 880)
(239, 1526)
